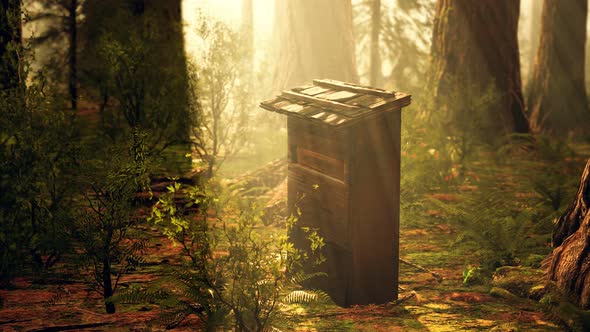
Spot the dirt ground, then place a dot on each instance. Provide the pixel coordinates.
(60, 304)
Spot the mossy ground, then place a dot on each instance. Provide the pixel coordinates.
(445, 306)
(67, 298)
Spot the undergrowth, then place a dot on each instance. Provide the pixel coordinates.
(232, 276)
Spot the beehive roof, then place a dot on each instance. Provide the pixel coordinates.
(335, 103)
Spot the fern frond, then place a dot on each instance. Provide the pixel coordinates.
(303, 277)
(305, 296)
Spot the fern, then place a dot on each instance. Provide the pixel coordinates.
(236, 278)
(305, 296)
(507, 217)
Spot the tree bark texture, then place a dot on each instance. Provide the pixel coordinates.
(569, 264)
(315, 40)
(557, 101)
(375, 77)
(568, 223)
(534, 34)
(10, 40)
(475, 48)
(73, 52)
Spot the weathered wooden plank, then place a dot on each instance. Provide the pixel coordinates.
(365, 101)
(314, 91)
(374, 209)
(324, 164)
(293, 108)
(317, 137)
(341, 96)
(317, 101)
(354, 88)
(331, 119)
(317, 187)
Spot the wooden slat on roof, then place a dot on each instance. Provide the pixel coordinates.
(316, 90)
(341, 96)
(332, 84)
(317, 101)
(335, 103)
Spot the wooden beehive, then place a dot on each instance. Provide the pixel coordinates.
(344, 159)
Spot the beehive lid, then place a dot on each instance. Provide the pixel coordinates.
(334, 103)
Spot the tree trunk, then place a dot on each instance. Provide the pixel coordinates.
(159, 25)
(534, 35)
(10, 40)
(315, 40)
(569, 264)
(107, 283)
(557, 100)
(248, 30)
(73, 53)
(569, 222)
(474, 49)
(375, 78)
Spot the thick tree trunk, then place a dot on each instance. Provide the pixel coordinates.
(73, 53)
(10, 40)
(569, 264)
(557, 100)
(315, 40)
(534, 35)
(375, 78)
(474, 49)
(569, 222)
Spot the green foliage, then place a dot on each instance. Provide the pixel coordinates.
(220, 95)
(141, 102)
(234, 276)
(473, 276)
(549, 166)
(105, 227)
(133, 67)
(498, 194)
(38, 165)
(404, 39)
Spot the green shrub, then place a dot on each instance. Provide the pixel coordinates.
(38, 164)
(234, 276)
(105, 227)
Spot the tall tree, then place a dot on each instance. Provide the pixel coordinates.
(569, 263)
(534, 33)
(60, 20)
(557, 101)
(72, 9)
(135, 50)
(10, 40)
(375, 36)
(475, 49)
(315, 41)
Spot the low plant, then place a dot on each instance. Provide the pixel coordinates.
(38, 163)
(233, 276)
(106, 228)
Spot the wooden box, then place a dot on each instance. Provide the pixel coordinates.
(344, 159)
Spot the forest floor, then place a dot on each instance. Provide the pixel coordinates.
(66, 300)
(59, 303)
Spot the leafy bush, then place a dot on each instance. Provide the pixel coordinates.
(506, 216)
(220, 98)
(107, 221)
(38, 163)
(234, 276)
